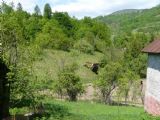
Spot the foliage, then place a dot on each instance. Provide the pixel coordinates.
(108, 79)
(14, 54)
(69, 82)
(6, 9)
(145, 20)
(127, 81)
(47, 11)
(134, 55)
(52, 36)
(19, 7)
(84, 46)
(37, 11)
(65, 22)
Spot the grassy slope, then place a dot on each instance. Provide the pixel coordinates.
(52, 61)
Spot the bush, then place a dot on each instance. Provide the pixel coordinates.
(100, 46)
(69, 83)
(44, 40)
(84, 46)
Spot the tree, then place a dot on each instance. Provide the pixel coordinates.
(6, 9)
(52, 36)
(4, 90)
(107, 80)
(37, 11)
(133, 57)
(47, 11)
(19, 7)
(69, 82)
(126, 81)
(65, 22)
(14, 73)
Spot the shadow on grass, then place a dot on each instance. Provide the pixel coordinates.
(46, 111)
(21, 103)
(55, 111)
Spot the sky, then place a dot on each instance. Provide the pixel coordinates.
(81, 8)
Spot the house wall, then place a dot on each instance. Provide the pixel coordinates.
(152, 94)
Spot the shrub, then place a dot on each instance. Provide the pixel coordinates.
(69, 83)
(84, 46)
(100, 46)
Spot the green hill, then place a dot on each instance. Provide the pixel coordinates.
(146, 20)
(126, 11)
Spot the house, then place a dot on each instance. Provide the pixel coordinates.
(152, 92)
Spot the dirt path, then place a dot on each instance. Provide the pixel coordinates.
(89, 92)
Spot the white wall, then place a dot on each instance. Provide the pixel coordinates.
(153, 76)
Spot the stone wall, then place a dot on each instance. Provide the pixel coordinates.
(152, 94)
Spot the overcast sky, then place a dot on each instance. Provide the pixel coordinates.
(92, 8)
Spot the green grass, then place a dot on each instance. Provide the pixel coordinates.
(64, 110)
(97, 111)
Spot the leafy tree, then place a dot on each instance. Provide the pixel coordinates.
(37, 11)
(17, 58)
(133, 55)
(19, 7)
(53, 37)
(125, 82)
(108, 79)
(65, 22)
(31, 28)
(88, 21)
(102, 31)
(47, 11)
(16, 78)
(69, 82)
(6, 9)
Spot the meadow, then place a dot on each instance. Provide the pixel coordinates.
(84, 110)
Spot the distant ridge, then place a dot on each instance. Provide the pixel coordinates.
(133, 20)
(126, 11)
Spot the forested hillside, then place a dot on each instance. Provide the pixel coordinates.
(145, 20)
(50, 54)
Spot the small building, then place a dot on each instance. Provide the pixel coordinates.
(152, 92)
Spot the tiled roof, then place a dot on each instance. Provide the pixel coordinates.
(153, 47)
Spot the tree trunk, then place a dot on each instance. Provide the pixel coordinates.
(108, 99)
(126, 99)
(4, 91)
(108, 95)
(72, 96)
